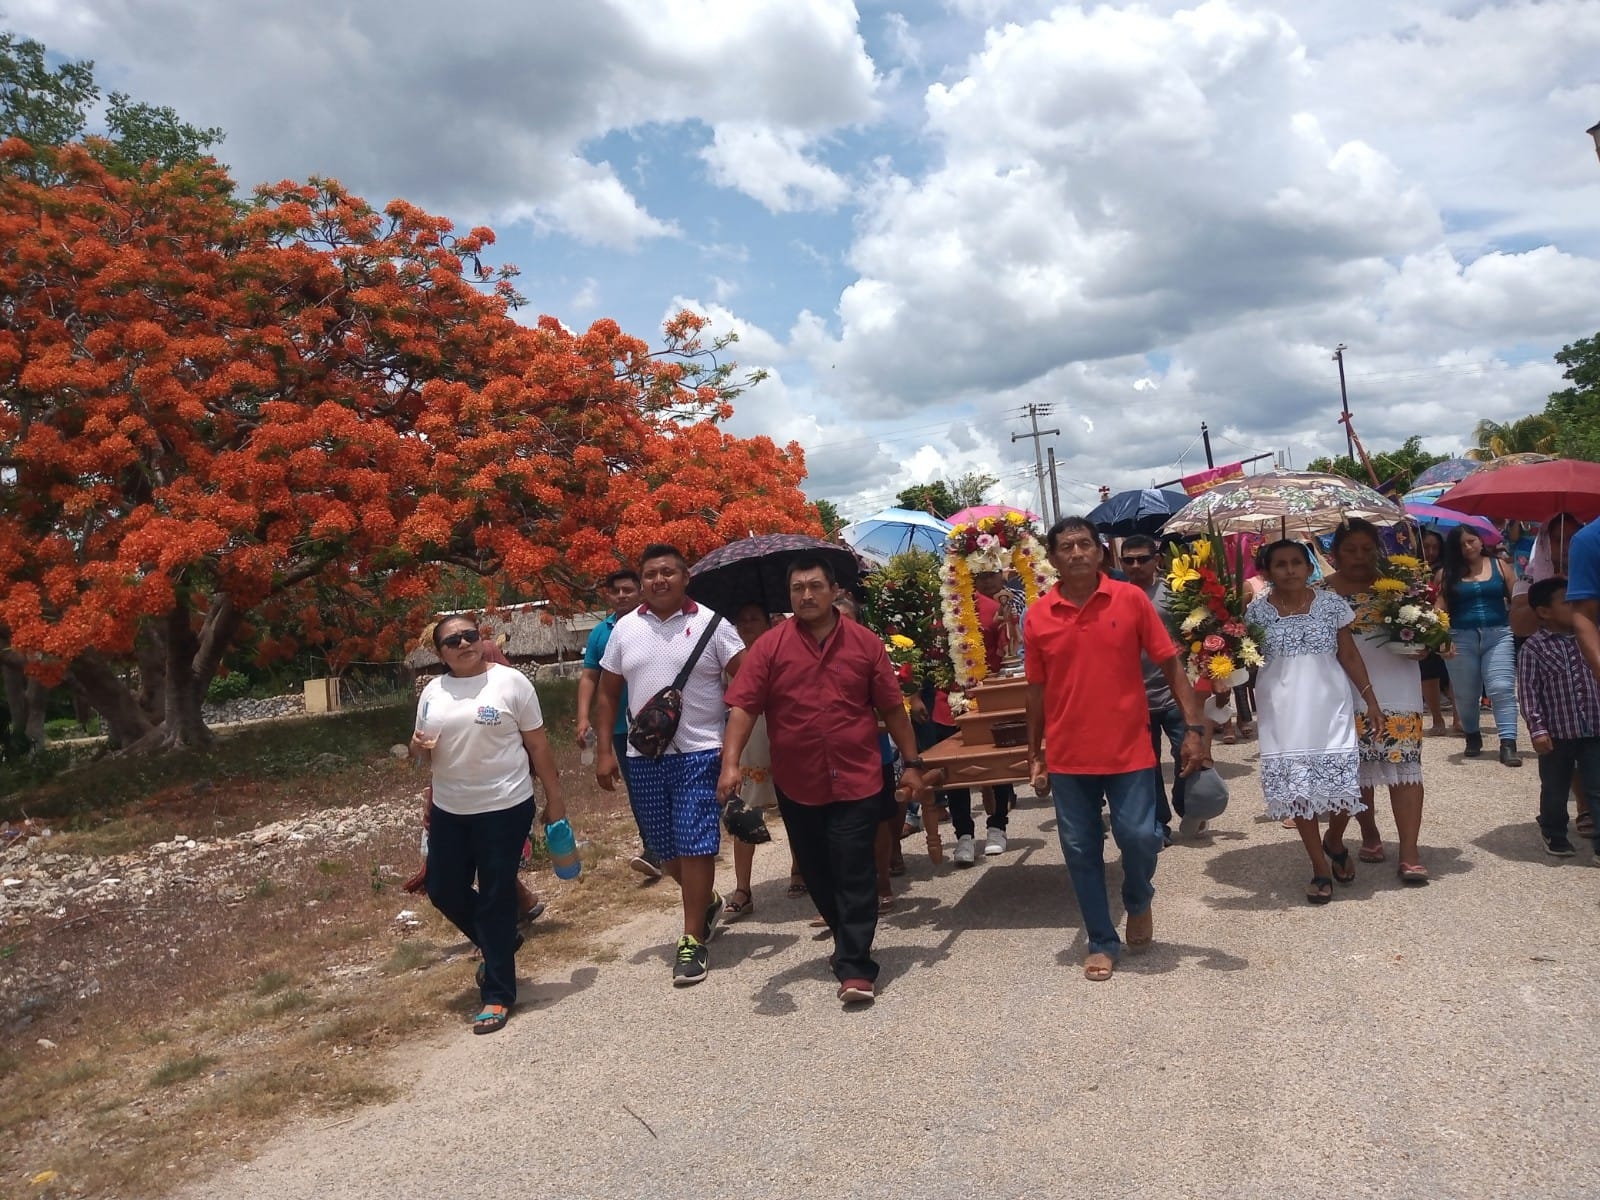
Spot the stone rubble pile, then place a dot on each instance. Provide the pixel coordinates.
(38, 882)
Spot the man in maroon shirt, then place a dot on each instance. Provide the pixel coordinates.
(823, 683)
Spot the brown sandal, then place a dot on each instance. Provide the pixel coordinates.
(1097, 968)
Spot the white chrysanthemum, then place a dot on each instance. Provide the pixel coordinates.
(1194, 620)
(1409, 613)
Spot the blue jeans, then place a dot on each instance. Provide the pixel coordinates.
(1168, 722)
(1484, 665)
(1132, 797)
(487, 846)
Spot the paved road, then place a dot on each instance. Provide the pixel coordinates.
(1431, 1043)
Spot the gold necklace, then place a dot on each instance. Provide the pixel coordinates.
(1302, 608)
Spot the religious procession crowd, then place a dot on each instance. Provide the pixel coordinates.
(1340, 654)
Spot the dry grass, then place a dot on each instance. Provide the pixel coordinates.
(214, 1024)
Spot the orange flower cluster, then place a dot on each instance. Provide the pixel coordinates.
(217, 421)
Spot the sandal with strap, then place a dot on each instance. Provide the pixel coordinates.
(1097, 968)
(1371, 853)
(1344, 871)
(734, 908)
(1414, 874)
(1321, 889)
(797, 886)
(492, 1018)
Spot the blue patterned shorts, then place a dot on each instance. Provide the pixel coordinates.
(674, 799)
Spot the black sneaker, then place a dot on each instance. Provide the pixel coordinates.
(1474, 745)
(647, 863)
(692, 964)
(1556, 844)
(714, 915)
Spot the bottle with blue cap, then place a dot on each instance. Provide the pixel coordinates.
(563, 847)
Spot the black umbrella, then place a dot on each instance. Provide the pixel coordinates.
(1128, 513)
(755, 570)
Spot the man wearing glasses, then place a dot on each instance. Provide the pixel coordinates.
(1140, 557)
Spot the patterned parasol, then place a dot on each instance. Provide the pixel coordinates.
(1286, 503)
(755, 570)
(1516, 460)
(1451, 470)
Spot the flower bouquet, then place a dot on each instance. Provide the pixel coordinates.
(1402, 611)
(903, 607)
(1205, 610)
(1007, 543)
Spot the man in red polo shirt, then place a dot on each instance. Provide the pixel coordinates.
(823, 683)
(1089, 730)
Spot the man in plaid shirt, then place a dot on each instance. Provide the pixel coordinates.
(1561, 704)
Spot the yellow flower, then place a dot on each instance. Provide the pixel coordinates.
(1195, 647)
(1182, 573)
(1015, 518)
(1405, 562)
(900, 641)
(1202, 553)
(1443, 619)
(1220, 667)
(1389, 587)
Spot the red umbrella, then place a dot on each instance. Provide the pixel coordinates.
(1532, 492)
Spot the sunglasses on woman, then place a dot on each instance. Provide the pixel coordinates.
(455, 640)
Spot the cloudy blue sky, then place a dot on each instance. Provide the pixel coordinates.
(921, 217)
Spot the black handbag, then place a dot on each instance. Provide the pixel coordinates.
(653, 727)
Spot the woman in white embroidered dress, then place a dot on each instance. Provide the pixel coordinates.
(1310, 762)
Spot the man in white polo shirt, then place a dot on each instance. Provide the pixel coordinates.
(674, 797)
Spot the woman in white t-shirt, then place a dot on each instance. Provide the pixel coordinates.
(480, 729)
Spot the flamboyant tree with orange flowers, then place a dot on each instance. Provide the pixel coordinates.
(281, 418)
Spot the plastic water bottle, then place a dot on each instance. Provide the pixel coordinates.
(563, 849)
(586, 755)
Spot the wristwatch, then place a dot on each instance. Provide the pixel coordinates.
(915, 764)
(1200, 729)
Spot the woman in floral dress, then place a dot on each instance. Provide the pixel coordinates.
(1310, 764)
(1391, 754)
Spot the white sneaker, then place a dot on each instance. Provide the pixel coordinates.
(1191, 827)
(966, 852)
(995, 843)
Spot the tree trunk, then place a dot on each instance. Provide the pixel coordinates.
(91, 677)
(182, 693)
(152, 675)
(37, 695)
(18, 702)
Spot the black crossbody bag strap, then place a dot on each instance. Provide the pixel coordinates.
(694, 655)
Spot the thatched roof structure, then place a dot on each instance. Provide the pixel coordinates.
(526, 632)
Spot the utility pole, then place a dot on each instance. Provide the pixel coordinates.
(1035, 411)
(1344, 403)
(1205, 438)
(1055, 488)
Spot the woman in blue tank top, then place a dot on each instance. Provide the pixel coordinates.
(1475, 590)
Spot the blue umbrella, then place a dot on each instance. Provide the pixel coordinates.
(893, 531)
(1144, 511)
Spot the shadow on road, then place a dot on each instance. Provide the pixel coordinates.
(1273, 875)
(1519, 842)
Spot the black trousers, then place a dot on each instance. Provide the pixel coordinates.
(833, 846)
(1580, 756)
(488, 846)
(960, 806)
